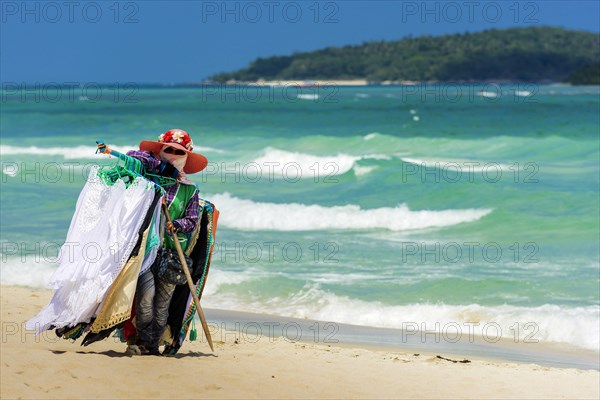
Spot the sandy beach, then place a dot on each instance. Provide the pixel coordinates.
(249, 366)
(303, 82)
(318, 82)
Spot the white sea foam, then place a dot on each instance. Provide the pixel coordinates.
(370, 136)
(287, 164)
(489, 95)
(577, 326)
(523, 93)
(36, 273)
(249, 215)
(9, 170)
(363, 170)
(308, 96)
(344, 278)
(376, 157)
(29, 272)
(81, 152)
(77, 152)
(219, 278)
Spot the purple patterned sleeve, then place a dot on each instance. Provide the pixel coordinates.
(188, 222)
(146, 158)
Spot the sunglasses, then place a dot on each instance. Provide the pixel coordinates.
(173, 150)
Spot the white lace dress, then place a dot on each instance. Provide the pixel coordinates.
(103, 232)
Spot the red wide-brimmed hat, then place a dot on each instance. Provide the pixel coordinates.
(178, 139)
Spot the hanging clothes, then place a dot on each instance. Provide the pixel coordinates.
(103, 232)
(154, 239)
(182, 307)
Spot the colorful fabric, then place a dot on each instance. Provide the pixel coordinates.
(177, 209)
(117, 304)
(154, 239)
(103, 234)
(213, 215)
(182, 308)
(113, 305)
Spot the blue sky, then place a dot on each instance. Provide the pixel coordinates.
(186, 41)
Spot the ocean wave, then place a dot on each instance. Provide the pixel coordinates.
(30, 273)
(458, 165)
(577, 326)
(249, 215)
(219, 278)
(280, 161)
(363, 170)
(9, 170)
(77, 152)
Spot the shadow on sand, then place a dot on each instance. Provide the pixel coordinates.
(118, 354)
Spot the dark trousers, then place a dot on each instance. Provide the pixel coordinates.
(153, 298)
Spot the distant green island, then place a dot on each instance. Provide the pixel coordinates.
(534, 54)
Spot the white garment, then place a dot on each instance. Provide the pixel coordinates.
(102, 234)
(151, 256)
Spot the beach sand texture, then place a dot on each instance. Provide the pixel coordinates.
(255, 367)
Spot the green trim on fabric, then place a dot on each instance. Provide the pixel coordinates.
(177, 210)
(153, 239)
(191, 311)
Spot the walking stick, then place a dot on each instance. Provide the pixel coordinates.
(186, 271)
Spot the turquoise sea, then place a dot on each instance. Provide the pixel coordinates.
(381, 206)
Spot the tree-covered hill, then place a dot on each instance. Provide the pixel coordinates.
(517, 54)
(589, 74)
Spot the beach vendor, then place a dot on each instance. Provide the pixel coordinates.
(171, 156)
